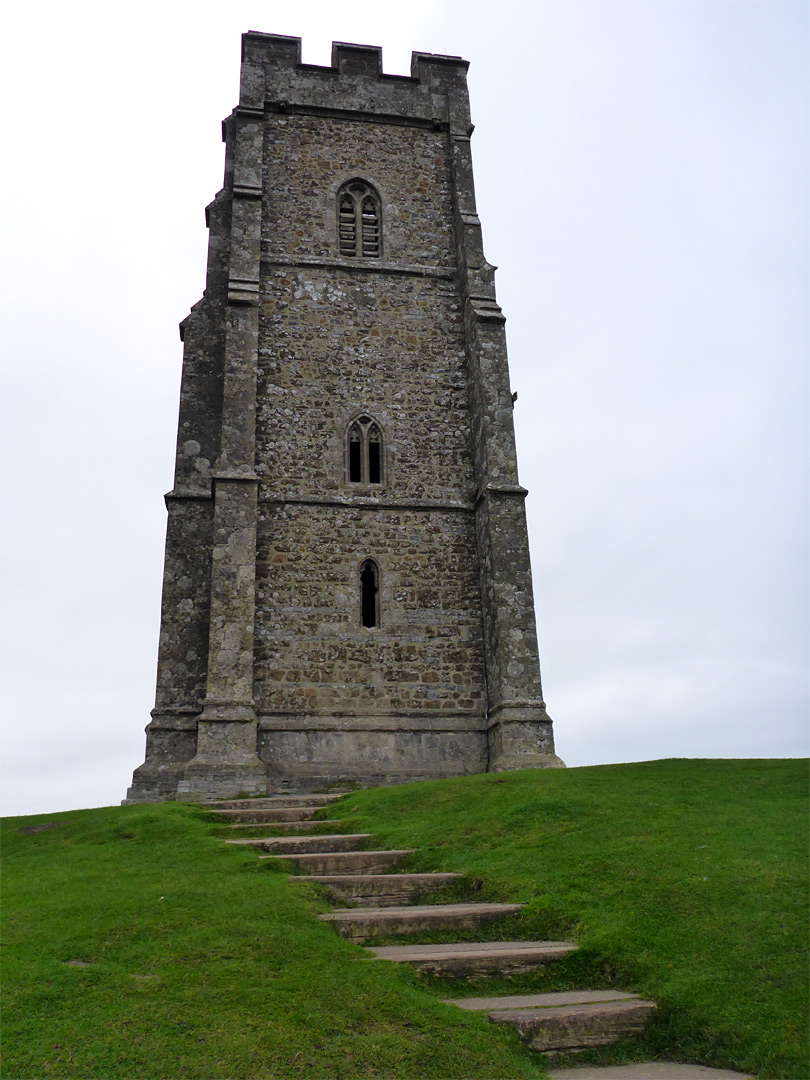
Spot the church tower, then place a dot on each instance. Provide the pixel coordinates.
(347, 593)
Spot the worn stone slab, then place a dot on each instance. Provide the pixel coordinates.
(648, 1070)
(295, 844)
(360, 924)
(277, 801)
(289, 826)
(577, 1027)
(384, 890)
(345, 862)
(477, 959)
(270, 816)
(540, 1001)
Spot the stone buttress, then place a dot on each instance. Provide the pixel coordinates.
(347, 592)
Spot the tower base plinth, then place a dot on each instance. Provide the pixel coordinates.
(521, 737)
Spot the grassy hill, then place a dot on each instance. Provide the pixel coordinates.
(137, 945)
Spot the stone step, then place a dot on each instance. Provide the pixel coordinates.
(577, 1025)
(292, 845)
(360, 924)
(383, 890)
(477, 959)
(344, 862)
(271, 801)
(289, 826)
(270, 816)
(540, 1001)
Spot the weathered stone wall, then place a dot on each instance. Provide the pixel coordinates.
(341, 337)
(336, 342)
(182, 651)
(314, 656)
(307, 158)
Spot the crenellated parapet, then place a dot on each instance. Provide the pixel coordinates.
(274, 78)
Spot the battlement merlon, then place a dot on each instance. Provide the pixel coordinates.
(273, 74)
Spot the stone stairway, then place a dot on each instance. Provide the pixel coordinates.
(383, 905)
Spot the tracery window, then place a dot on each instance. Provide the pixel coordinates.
(364, 451)
(359, 221)
(369, 594)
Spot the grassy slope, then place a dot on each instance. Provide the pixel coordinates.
(203, 964)
(683, 879)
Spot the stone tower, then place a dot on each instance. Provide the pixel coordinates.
(347, 593)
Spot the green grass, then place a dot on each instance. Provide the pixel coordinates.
(202, 963)
(685, 880)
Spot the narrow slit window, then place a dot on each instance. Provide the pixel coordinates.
(374, 462)
(359, 221)
(364, 452)
(355, 455)
(369, 594)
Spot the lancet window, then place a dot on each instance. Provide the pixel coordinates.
(359, 221)
(369, 594)
(364, 451)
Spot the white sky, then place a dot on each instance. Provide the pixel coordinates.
(642, 174)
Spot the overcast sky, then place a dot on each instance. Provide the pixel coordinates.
(642, 176)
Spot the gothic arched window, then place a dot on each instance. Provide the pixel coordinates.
(359, 221)
(364, 451)
(369, 594)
